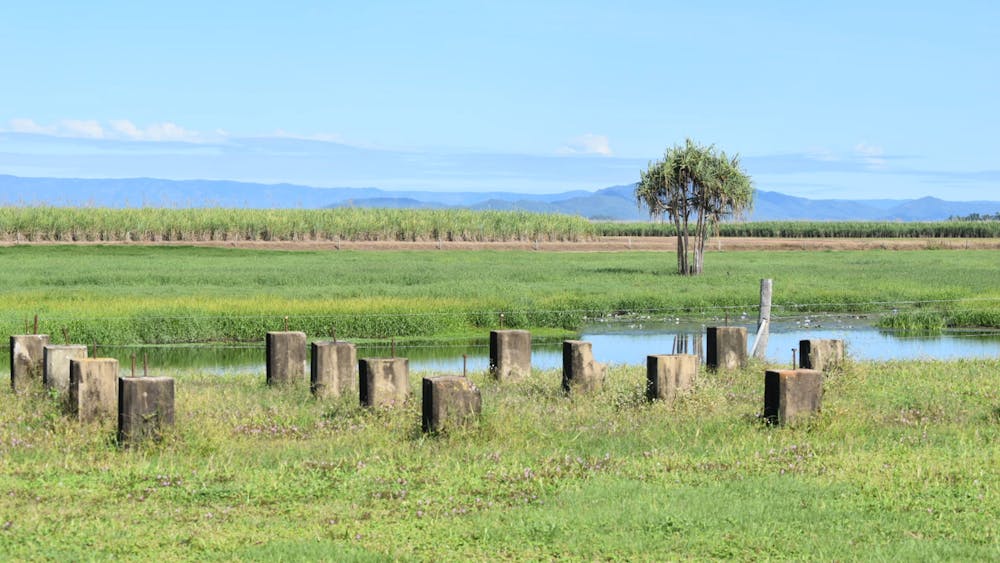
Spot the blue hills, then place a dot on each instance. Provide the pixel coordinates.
(613, 203)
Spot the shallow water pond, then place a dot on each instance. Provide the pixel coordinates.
(614, 342)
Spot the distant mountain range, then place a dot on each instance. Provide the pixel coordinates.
(613, 203)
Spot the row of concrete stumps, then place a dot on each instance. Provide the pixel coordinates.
(91, 389)
(453, 400)
(448, 401)
(789, 394)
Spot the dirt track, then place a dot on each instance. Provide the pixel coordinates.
(603, 244)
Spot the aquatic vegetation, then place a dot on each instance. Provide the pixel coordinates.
(151, 294)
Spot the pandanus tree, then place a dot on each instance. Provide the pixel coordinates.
(694, 184)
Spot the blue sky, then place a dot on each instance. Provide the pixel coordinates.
(846, 99)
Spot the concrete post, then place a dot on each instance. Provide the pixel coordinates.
(510, 354)
(27, 360)
(821, 354)
(383, 382)
(57, 359)
(759, 349)
(449, 401)
(332, 372)
(790, 394)
(581, 374)
(93, 388)
(727, 347)
(669, 375)
(145, 408)
(286, 357)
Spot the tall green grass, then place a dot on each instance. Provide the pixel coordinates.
(819, 229)
(900, 465)
(350, 224)
(216, 224)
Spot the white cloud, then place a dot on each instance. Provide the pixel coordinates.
(168, 131)
(22, 125)
(588, 143)
(114, 129)
(86, 128)
(165, 131)
(872, 155)
(126, 128)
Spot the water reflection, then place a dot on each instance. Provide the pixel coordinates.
(613, 342)
(864, 342)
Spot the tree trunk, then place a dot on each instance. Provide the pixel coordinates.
(699, 248)
(680, 246)
(686, 270)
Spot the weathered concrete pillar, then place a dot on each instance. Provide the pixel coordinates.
(821, 354)
(384, 382)
(332, 372)
(791, 393)
(581, 374)
(510, 354)
(727, 347)
(56, 375)
(145, 408)
(449, 401)
(27, 360)
(93, 388)
(286, 357)
(668, 375)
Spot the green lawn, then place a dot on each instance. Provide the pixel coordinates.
(127, 295)
(901, 464)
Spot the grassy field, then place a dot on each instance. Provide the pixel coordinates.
(350, 224)
(901, 464)
(149, 294)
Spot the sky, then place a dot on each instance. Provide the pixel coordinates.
(821, 100)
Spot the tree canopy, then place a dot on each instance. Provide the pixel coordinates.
(694, 184)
